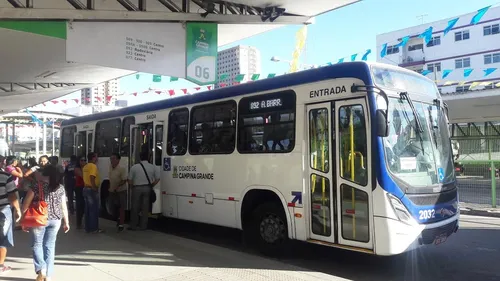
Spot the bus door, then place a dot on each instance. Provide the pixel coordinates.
(83, 143)
(148, 138)
(320, 179)
(353, 174)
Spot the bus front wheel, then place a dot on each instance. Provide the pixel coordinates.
(269, 230)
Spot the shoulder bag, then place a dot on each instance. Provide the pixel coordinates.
(38, 212)
(152, 193)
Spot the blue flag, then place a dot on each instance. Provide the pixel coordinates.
(479, 15)
(353, 57)
(403, 42)
(425, 72)
(365, 56)
(341, 60)
(446, 72)
(467, 72)
(383, 53)
(427, 35)
(489, 71)
(450, 26)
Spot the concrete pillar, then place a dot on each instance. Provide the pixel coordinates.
(53, 138)
(7, 133)
(44, 136)
(13, 145)
(37, 140)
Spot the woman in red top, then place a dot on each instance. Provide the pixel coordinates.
(80, 202)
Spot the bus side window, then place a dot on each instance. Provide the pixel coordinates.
(68, 141)
(125, 139)
(177, 137)
(107, 137)
(267, 123)
(213, 128)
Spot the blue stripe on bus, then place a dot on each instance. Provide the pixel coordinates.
(359, 70)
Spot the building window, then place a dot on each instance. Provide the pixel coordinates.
(416, 47)
(267, 123)
(434, 67)
(435, 41)
(492, 58)
(462, 63)
(392, 50)
(462, 35)
(463, 88)
(491, 29)
(213, 128)
(177, 138)
(492, 85)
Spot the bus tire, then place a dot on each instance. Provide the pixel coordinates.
(268, 229)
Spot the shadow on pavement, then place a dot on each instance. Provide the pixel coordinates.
(467, 255)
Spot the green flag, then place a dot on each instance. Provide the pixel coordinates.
(156, 78)
(137, 76)
(255, 77)
(172, 79)
(239, 77)
(271, 75)
(223, 76)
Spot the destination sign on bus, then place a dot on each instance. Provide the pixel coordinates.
(327, 92)
(266, 104)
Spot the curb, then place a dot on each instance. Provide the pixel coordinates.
(494, 214)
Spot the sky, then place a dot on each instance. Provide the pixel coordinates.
(334, 35)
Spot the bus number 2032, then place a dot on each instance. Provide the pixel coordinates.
(426, 214)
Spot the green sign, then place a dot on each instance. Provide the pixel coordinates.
(55, 29)
(201, 52)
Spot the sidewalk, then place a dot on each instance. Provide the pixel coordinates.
(478, 210)
(148, 256)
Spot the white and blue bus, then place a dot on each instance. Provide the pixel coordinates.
(355, 155)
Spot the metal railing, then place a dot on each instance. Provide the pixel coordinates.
(477, 163)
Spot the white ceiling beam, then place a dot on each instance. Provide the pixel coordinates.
(97, 15)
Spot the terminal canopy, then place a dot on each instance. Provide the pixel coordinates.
(35, 51)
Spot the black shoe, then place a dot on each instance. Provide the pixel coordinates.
(120, 228)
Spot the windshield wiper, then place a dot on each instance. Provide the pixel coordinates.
(404, 95)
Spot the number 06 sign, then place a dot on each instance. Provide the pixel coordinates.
(201, 52)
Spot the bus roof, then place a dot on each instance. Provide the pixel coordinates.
(358, 70)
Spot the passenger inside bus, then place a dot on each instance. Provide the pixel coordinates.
(177, 144)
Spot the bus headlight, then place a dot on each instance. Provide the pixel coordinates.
(399, 209)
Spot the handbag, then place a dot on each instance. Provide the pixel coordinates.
(152, 193)
(38, 212)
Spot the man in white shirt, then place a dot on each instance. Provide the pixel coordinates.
(142, 178)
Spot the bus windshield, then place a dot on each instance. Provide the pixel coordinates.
(420, 156)
(418, 148)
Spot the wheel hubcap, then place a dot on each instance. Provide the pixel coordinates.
(272, 228)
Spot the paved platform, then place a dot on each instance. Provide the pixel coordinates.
(149, 256)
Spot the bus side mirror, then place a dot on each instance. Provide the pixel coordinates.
(381, 122)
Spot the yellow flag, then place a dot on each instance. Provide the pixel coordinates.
(449, 83)
(497, 85)
(462, 83)
(486, 83)
(475, 84)
(301, 37)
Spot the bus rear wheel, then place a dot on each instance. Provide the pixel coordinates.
(268, 229)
